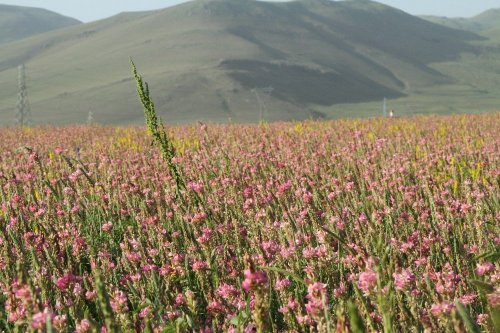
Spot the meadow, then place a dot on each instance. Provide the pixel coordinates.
(376, 225)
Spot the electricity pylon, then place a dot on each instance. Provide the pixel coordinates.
(90, 118)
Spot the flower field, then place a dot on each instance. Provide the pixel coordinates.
(381, 225)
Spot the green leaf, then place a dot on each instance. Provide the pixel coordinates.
(495, 317)
(284, 272)
(240, 319)
(483, 287)
(338, 238)
(357, 325)
(493, 255)
(48, 325)
(469, 323)
(169, 329)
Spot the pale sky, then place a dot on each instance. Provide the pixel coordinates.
(90, 10)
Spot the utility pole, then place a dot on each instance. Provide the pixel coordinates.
(23, 116)
(384, 111)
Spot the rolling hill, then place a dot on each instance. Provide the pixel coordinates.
(20, 22)
(486, 21)
(232, 59)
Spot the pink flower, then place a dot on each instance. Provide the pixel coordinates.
(39, 319)
(494, 298)
(90, 295)
(179, 299)
(341, 290)
(482, 319)
(107, 226)
(197, 187)
(133, 256)
(438, 309)
(367, 281)
(119, 301)
(59, 321)
(404, 279)
(316, 298)
(484, 268)
(227, 291)
(199, 265)
(316, 289)
(83, 326)
(468, 299)
(144, 312)
(64, 282)
(75, 175)
(282, 284)
(253, 279)
(215, 306)
(23, 293)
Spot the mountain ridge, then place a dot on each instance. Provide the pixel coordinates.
(487, 20)
(18, 22)
(208, 60)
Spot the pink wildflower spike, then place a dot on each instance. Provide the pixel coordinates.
(439, 309)
(199, 266)
(227, 291)
(482, 319)
(403, 280)
(144, 312)
(83, 326)
(39, 319)
(179, 299)
(367, 281)
(316, 298)
(107, 226)
(340, 290)
(282, 284)
(494, 298)
(59, 321)
(197, 187)
(90, 295)
(254, 280)
(484, 268)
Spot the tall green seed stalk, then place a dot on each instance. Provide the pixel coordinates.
(162, 139)
(156, 129)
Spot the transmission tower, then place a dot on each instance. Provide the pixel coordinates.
(23, 116)
(90, 118)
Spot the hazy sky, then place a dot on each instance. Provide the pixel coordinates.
(90, 10)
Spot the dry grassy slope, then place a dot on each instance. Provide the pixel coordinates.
(489, 18)
(486, 21)
(203, 59)
(20, 22)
